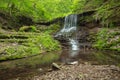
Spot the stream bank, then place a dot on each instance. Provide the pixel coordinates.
(92, 65)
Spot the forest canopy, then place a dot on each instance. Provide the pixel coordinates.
(37, 9)
(46, 10)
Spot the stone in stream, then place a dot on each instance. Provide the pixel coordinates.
(55, 66)
(72, 63)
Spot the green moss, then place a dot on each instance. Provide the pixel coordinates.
(28, 29)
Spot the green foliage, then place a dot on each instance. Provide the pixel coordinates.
(101, 39)
(46, 42)
(80, 6)
(107, 11)
(54, 28)
(37, 9)
(35, 44)
(108, 39)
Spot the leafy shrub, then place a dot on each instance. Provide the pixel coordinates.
(101, 39)
(46, 42)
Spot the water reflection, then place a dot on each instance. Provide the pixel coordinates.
(91, 56)
(28, 66)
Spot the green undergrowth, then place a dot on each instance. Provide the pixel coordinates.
(23, 44)
(108, 39)
(106, 11)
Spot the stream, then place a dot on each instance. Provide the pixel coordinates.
(24, 69)
(72, 52)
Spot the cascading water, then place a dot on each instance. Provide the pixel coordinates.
(70, 27)
(69, 32)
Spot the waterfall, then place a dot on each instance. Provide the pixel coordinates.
(70, 27)
(69, 32)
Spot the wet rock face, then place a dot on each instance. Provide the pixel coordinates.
(82, 36)
(61, 38)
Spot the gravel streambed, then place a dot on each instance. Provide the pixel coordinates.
(82, 72)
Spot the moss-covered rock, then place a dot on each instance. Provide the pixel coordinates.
(28, 29)
(51, 29)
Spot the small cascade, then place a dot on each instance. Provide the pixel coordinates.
(74, 49)
(69, 32)
(70, 27)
